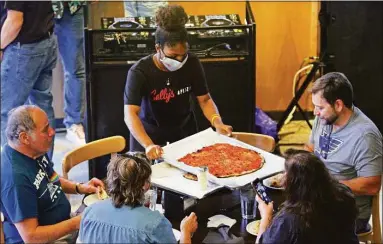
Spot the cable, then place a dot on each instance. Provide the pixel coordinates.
(207, 51)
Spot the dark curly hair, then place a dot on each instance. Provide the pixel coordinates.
(314, 195)
(126, 177)
(171, 20)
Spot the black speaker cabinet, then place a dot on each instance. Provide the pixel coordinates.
(351, 34)
(106, 109)
(232, 92)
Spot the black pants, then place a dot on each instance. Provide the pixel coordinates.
(160, 136)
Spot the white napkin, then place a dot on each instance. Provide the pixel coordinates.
(162, 170)
(217, 220)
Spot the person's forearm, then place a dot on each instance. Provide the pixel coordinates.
(364, 185)
(265, 222)
(209, 109)
(137, 129)
(185, 237)
(49, 233)
(9, 32)
(68, 186)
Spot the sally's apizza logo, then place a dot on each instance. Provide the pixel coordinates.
(166, 94)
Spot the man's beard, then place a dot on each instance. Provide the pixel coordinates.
(331, 120)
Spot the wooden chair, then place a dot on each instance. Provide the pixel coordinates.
(263, 142)
(94, 149)
(2, 239)
(375, 234)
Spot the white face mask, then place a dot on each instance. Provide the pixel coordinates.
(172, 64)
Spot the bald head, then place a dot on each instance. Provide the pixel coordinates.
(21, 119)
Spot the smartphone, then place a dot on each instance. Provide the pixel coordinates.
(261, 190)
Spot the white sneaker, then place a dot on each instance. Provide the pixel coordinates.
(75, 134)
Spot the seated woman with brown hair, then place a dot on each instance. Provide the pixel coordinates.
(317, 208)
(122, 218)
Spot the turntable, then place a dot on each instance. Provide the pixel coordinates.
(217, 22)
(127, 22)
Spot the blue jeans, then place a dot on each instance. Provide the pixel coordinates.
(142, 8)
(70, 37)
(26, 78)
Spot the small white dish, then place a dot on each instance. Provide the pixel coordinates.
(253, 227)
(91, 199)
(177, 234)
(268, 182)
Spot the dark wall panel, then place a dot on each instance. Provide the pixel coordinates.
(353, 34)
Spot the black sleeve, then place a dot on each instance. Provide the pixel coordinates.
(199, 84)
(134, 88)
(15, 5)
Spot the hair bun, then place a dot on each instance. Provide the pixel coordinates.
(171, 17)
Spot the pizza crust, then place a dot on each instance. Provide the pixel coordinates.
(190, 176)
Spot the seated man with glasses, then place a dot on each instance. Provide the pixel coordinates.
(347, 141)
(33, 199)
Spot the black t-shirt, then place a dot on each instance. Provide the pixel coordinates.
(164, 97)
(37, 15)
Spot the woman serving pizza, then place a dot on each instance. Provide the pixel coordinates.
(159, 87)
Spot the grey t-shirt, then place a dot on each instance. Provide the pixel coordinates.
(352, 151)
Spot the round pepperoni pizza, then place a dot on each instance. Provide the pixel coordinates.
(225, 160)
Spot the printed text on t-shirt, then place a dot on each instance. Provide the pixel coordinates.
(166, 94)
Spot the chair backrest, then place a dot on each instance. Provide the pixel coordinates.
(92, 150)
(263, 142)
(376, 229)
(375, 235)
(2, 239)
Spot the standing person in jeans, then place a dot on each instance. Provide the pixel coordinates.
(28, 53)
(69, 29)
(143, 8)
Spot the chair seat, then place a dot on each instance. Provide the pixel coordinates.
(365, 233)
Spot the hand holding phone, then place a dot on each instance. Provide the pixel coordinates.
(261, 191)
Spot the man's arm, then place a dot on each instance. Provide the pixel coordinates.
(364, 185)
(69, 187)
(11, 28)
(31, 232)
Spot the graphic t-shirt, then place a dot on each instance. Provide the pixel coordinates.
(164, 97)
(30, 188)
(354, 150)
